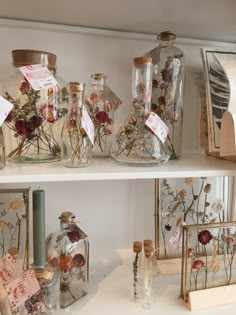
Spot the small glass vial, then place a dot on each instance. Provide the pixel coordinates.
(168, 87)
(102, 114)
(68, 251)
(76, 146)
(137, 271)
(147, 276)
(2, 150)
(135, 143)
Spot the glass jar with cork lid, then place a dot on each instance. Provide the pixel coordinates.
(34, 121)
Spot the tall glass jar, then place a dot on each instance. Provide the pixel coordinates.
(101, 112)
(2, 149)
(76, 146)
(167, 88)
(32, 123)
(135, 143)
(68, 250)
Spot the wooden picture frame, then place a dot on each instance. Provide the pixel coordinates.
(14, 224)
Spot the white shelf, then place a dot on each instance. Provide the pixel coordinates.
(189, 165)
(113, 296)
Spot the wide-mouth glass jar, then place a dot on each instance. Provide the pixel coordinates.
(32, 125)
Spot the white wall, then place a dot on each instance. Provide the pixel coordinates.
(113, 213)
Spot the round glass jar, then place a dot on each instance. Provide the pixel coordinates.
(135, 143)
(32, 125)
(102, 114)
(167, 88)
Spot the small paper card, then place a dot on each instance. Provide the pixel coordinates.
(39, 77)
(108, 94)
(5, 108)
(87, 124)
(22, 288)
(157, 125)
(176, 238)
(9, 270)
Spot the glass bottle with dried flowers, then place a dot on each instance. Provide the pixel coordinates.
(76, 146)
(32, 123)
(101, 112)
(167, 88)
(68, 251)
(136, 143)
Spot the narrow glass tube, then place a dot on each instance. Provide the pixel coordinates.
(147, 277)
(137, 249)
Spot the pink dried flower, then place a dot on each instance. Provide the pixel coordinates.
(197, 264)
(182, 193)
(94, 97)
(70, 125)
(78, 260)
(48, 113)
(229, 240)
(107, 131)
(24, 88)
(190, 252)
(132, 120)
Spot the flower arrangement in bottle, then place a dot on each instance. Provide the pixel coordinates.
(33, 119)
(101, 112)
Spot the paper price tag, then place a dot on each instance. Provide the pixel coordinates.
(155, 123)
(87, 124)
(39, 77)
(108, 94)
(176, 238)
(9, 270)
(5, 108)
(22, 288)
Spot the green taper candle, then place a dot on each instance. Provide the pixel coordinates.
(39, 249)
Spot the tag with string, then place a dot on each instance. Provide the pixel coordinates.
(5, 108)
(158, 126)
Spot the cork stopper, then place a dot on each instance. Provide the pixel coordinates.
(148, 251)
(98, 76)
(77, 86)
(13, 251)
(137, 247)
(67, 217)
(167, 35)
(27, 57)
(147, 243)
(138, 61)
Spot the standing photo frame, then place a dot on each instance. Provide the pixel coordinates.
(14, 224)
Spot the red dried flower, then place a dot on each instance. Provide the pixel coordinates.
(190, 252)
(197, 264)
(229, 240)
(78, 260)
(70, 125)
(26, 128)
(25, 86)
(102, 116)
(74, 236)
(204, 237)
(107, 131)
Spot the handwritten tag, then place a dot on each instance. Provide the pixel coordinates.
(39, 77)
(9, 270)
(87, 124)
(22, 288)
(157, 125)
(109, 95)
(5, 108)
(176, 238)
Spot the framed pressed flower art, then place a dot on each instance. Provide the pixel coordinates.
(189, 201)
(209, 262)
(14, 224)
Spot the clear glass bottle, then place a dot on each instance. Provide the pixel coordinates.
(2, 149)
(76, 146)
(135, 143)
(148, 277)
(137, 271)
(68, 250)
(32, 125)
(167, 88)
(101, 112)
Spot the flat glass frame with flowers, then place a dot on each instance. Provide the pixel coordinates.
(14, 224)
(212, 261)
(198, 200)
